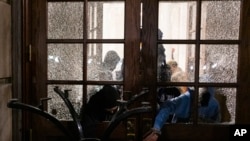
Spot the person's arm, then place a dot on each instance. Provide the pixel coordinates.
(166, 109)
(172, 106)
(163, 115)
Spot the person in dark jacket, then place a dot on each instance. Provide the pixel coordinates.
(101, 107)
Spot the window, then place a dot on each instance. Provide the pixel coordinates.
(85, 45)
(203, 38)
(74, 37)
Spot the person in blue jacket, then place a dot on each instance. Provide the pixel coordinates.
(209, 108)
(180, 107)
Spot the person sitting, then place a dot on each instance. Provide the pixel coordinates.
(100, 107)
(180, 107)
(165, 93)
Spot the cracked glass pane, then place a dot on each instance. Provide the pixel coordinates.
(105, 62)
(218, 107)
(106, 20)
(218, 63)
(65, 62)
(220, 19)
(65, 20)
(56, 105)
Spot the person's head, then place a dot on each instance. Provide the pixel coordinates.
(160, 34)
(110, 60)
(173, 65)
(204, 96)
(110, 97)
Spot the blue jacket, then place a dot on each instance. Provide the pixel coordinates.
(178, 106)
(211, 112)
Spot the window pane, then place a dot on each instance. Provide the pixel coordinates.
(56, 105)
(174, 58)
(105, 62)
(222, 98)
(177, 20)
(218, 63)
(220, 19)
(65, 20)
(65, 62)
(106, 20)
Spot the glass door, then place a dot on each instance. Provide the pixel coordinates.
(82, 45)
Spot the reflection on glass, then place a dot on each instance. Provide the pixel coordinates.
(65, 62)
(177, 20)
(220, 19)
(57, 107)
(106, 20)
(174, 58)
(217, 105)
(218, 63)
(105, 62)
(178, 101)
(65, 20)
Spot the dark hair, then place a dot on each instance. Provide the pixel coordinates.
(110, 95)
(204, 97)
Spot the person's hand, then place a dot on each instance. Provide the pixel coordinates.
(151, 135)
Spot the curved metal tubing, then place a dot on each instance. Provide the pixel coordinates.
(72, 111)
(13, 103)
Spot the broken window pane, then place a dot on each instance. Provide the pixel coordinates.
(217, 106)
(218, 63)
(56, 105)
(65, 62)
(220, 19)
(65, 20)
